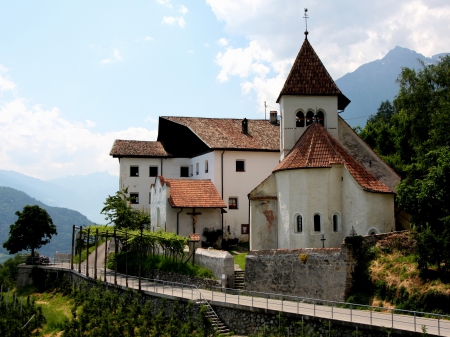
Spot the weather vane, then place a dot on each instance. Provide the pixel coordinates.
(306, 17)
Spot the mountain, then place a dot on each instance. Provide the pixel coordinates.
(12, 200)
(375, 82)
(84, 194)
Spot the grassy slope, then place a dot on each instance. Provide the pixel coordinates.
(396, 280)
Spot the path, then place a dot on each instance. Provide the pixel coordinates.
(241, 298)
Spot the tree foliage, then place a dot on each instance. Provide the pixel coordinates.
(119, 212)
(33, 229)
(411, 135)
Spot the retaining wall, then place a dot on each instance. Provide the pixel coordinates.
(310, 272)
(220, 262)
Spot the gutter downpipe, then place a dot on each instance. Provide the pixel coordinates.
(221, 184)
(178, 214)
(249, 201)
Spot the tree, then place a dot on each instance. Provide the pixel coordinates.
(33, 229)
(119, 212)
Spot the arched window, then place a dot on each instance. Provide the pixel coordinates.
(317, 224)
(300, 119)
(298, 224)
(309, 118)
(373, 231)
(335, 223)
(320, 117)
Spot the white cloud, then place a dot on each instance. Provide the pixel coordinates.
(206, 45)
(5, 83)
(116, 57)
(190, 51)
(40, 143)
(345, 35)
(183, 10)
(151, 120)
(148, 38)
(223, 42)
(172, 20)
(165, 3)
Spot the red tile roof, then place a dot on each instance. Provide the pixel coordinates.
(136, 148)
(308, 76)
(316, 148)
(226, 133)
(199, 193)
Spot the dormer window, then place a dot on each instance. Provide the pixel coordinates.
(309, 118)
(300, 119)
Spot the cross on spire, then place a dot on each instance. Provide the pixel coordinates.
(306, 17)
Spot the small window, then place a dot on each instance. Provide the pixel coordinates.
(300, 119)
(206, 166)
(134, 198)
(192, 170)
(233, 203)
(134, 171)
(335, 223)
(153, 171)
(317, 224)
(309, 118)
(196, 168)
(240, 166)
(184, 171)
(320, 118)
(298, 224)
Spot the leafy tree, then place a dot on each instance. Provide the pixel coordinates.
(119, 212)
(33, 229)
(412, 136)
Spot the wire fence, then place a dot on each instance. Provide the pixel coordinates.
(364, 314)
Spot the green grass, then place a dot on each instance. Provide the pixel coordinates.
(152, 262)
(239, 259)
(83, 252)
(56, 309)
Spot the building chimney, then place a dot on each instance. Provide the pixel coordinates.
(273, 117)
(245, 126)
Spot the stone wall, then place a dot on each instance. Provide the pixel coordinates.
(309, 272)
(199, 282)
(220, 262)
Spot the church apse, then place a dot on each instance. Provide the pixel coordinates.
(264, 230)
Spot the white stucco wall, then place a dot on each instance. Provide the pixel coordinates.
(289, 105)
(264, 215)
(323, 191)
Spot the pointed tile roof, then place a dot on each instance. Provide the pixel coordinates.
(137, 148)
(308, 76)
(316, 148)
(199, 193)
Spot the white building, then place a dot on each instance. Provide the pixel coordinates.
(328, 181)
(235, 155)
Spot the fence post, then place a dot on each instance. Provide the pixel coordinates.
(370, 315)
(332, 306)
(414, 321)
(115, 257)
(106, 257)
(297, 304)
(126, 259)
(87, 252)
(73, 245)
(392, 317)
(439, 324)
(96, 253)
(351, 317)
(282, 307)
(79, 250)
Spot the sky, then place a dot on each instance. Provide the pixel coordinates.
(76, 75)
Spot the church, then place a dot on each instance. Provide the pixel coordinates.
(303, 178)
(329, 183)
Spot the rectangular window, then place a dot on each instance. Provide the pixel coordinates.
(153, 171)
(240, 166)
(317, 224)
(192, 170)
(335, 223)
(206, 166)
(134, 171)
(184, 171)
(134, 198)
(233, 203)
(196, 168)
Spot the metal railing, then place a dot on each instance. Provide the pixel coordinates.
(357, 313)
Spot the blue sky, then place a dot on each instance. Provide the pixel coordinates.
(75, 75)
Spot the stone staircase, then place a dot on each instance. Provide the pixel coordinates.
(218, 325)
(239, 279)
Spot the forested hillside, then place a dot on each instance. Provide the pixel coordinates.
(411, 134)
(12, 200)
